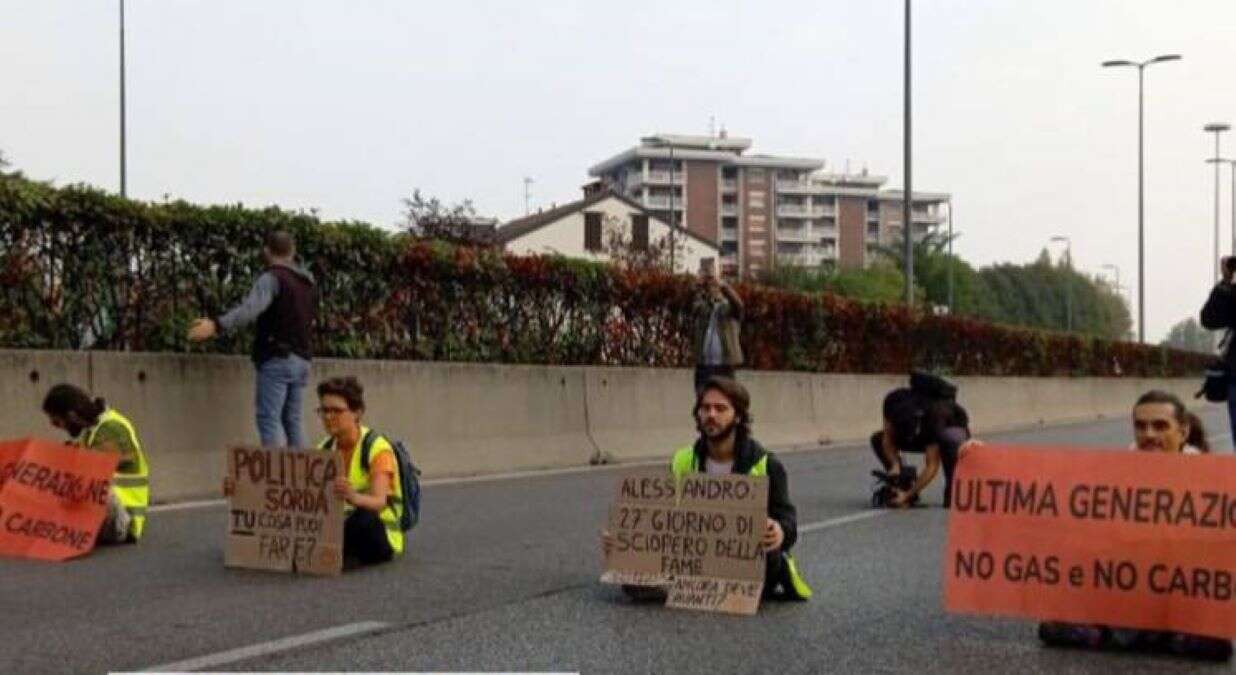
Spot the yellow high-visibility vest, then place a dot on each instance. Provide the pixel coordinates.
(685, 462)
(359, 479)
(132, 487)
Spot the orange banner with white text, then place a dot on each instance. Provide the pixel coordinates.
(53, 498)
(1121, 538)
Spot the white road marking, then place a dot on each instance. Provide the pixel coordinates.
(271, 647)
(842, 520)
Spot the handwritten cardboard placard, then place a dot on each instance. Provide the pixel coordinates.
(283, 514)
(53, 498)
(1121, 538)
(698, 537)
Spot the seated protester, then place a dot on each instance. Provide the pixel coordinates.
(371, 532)
(1160, 424)
(915, 422)
(725, 446)
(94, 426)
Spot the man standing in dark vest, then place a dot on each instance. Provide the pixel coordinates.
(283, 301)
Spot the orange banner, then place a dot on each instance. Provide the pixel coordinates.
(1121, 538)
(53, 498)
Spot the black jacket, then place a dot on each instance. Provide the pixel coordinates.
(748, 451)
(1219, 313)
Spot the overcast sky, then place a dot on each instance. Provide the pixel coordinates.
(346, 106)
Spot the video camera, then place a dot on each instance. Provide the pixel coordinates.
(886, 483)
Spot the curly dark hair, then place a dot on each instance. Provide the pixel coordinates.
(348, 388)
(74, 405)
(735, 393)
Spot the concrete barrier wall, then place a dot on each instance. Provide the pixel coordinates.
(466, 419)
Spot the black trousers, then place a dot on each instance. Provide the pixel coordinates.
(364, 538)
(950, 441)
(705, 373)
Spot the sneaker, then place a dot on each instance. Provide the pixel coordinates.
(1061, 634)
(1200, 647)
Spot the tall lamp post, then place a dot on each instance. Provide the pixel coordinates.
(1232, 165)
(908, 196)
(123, 159)
(1216, 128)
(1068, 285)
(1141, 202)
(662, 142)
(952, 211)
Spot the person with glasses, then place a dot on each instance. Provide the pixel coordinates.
(371, 490)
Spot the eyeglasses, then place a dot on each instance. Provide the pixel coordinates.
(331, 412)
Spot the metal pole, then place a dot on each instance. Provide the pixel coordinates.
(1216, 239)
(1141, 213)
(908, 196)
(1232, 166)
(123, 161)
(1068, 288)
(1216, 260)
(672, 214)
(952, 209)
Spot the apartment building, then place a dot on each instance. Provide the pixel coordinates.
(763, 211)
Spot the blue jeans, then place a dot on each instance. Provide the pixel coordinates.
(280, 390)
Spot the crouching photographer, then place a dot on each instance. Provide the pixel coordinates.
(1219, 313)
(923, 418)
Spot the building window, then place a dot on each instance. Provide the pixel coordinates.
(639, 232)
(592, 231)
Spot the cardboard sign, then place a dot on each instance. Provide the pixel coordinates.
(699, 538)
(283, 515)
(53, 498)
(1123, 538)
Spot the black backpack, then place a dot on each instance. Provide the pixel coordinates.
(938, 398)
(409, 479)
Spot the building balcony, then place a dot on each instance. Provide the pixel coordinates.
(729, 209)
(820, 211)
(729, 184)
(798, 187)
(663, 177)
(797, 234)
(657, 202)
(792, 211)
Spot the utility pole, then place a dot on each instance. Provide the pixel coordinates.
(908, 196)
(123, 159)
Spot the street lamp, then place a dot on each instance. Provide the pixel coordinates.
(1068, 286)
(662, 142)
(1141, 202)
(123, 162)
(908, 196)
(1232, 164)
(1216, 128)
(952, 211)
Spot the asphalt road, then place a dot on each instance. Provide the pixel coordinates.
(502, 575)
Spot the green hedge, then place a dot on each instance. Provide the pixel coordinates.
(80, 268)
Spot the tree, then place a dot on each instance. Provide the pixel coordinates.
(620, 247)
(428, 218)
(880, 282)
(1189, 335)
